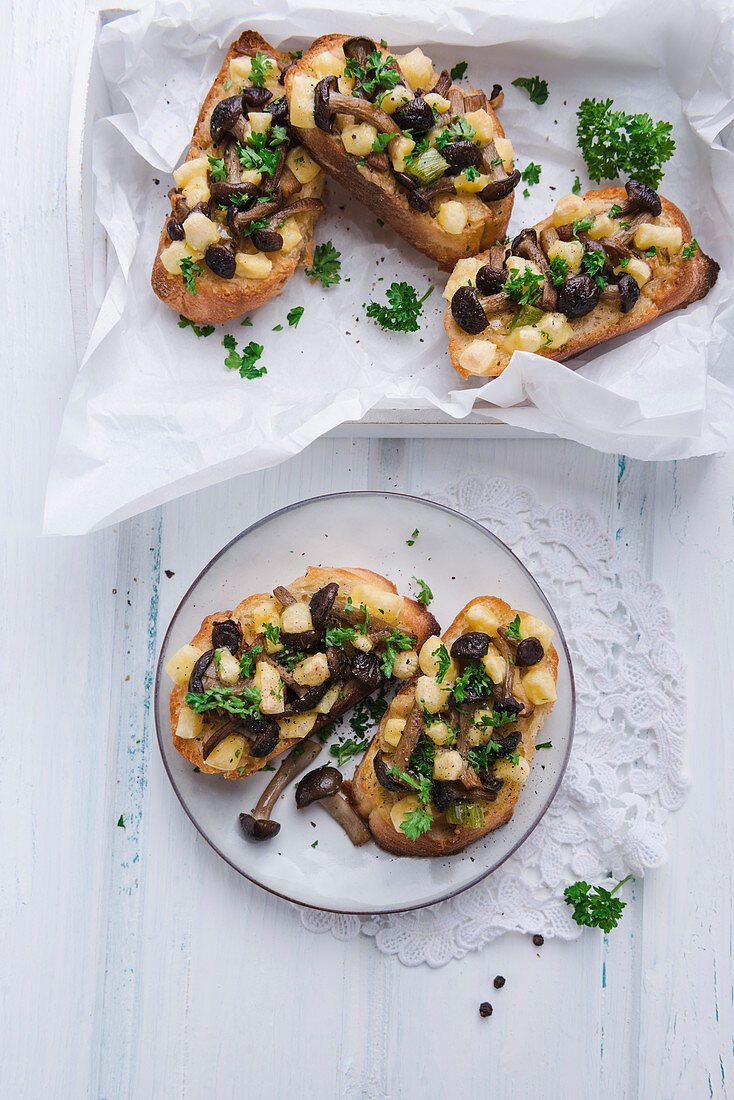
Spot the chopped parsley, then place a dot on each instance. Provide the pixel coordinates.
(367, 713)
(121, 822)
(402, 313)
(217, 168)
(326, 265)
(315, 843)
(200, 330)
(374, 74)
(190, 270)
(244, 704)
(459, 69)
(247, 660)
(416, 822)
(444, 662)
(347, 749)
(514, 757)
(262, 69)
(259, 152)
(394, 641)
(558, 269)
(424, 592)
(272, 632)
(458, 130)
(545, 745)
(381, 142)
(247, 323)
(244, 361)
(227, 86)
(413, 537)
(472, 173)
(338, 635)
(614, 210)
(512, 630)
(576, 186)
(592, 263)
(690, 249)
(293, 316)
(581, 225)
(473, 681)
(524, 286)
(536, 88)
(614, 143)
(531, 173)
(595, 907)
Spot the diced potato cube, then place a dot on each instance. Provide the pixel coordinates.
(402, 704)
(603, 226)
(181, 665)
(312, 670)
(260, 121)
(482, 124)
(513, 773)
(199, 231)
(229, 667)
(417, 69)
(568, 208)
(178, 250)
(270, 685)
(479, 617)
(429, 660)
(434, 100)
(539, 686)
(297, 725)
(439, 732)
(190, 170)
(379, 603)
(392, 730)
(480, 357)
(430, 695)
(525, 338)
(328, 63)
(240, 69)
(556, 328)
(393, 99)
(570, 251)
(358, 140)
(329, 699)
(189, 724)
(301, 100)
(255, 266)
(533, 627)
(659, 236)
(406, 664)
(638, 269)
(363, 643)
(447, 765)
(521, 265)
(399, 149)
(296, 618)
(401, 809)
(251, 176)
(266, 611)
(494, 665)
(291, 235)
(452, 217)
(228, 753)
(196, 191)
(505, 150)
(303, 167)
(478, 734)
(464, 273)
(463, 184)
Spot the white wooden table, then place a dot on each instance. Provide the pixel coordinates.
(134, 963)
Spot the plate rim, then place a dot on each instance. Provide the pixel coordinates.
(349, 493)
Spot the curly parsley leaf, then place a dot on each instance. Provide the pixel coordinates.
(190, 271)
(614, 143)
(244, 361)
(459, 69)
(200, 330)
(244, 703)
(421, 784)
(425, 595)
(263, 68)
(524, 286)
(576, 186)
(581, 225)
(444, 662)
(459, 130)
(217, 168)
(381, 142)
(531, 173)
(347, 749)
(247, 660)
(326, 265)
(402, 313)
(376, 73)
(592, 263)
(690, 249)
(512, 630)
(416, 822)
(293, 316)
(595, 907)
(558, 269)
(394, 641)
(536, 88)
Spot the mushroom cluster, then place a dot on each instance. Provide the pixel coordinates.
(434, 141)
(252, 190)
(567, 268)
(455, 738)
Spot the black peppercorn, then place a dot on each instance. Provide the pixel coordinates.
(485, 1009)
(538, 940)
(499, 981)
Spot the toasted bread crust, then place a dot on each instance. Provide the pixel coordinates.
(418, 229)
(218, 300)
(373, 802)
(414, 618)
(685, 282)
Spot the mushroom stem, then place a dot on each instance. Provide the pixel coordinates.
(503, 646)
(548, 238)
(409, 738)
(346, 816)
(443, 84)
(526, 245)
(283, 596)
(295, 762)
(476, 102)
(465, 725)
(624, 236)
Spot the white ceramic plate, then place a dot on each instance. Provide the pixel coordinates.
(459, 559)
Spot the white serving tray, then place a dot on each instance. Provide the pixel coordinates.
(87, 251)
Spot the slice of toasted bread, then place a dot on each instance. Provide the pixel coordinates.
(220, 299)
(367, 588)
(379, 190)
(374, 803)
(676, 280)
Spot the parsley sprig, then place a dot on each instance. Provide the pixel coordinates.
(419, 820)
(473, 681)
(690, 249)
(199, 330)
(524, 286)
(425, 595)
(458, 70)
(592, 263)
(531, 172)
(615, 143)
(244, 361)
(247, 660)
(595, 907)
(395, 640)
(262, 69)
(536, 88)
(326, 266)
(444, 662)
(375, 74)
(459, 130)
(190, 270)
(403, 311)
(558, 269)
(513, 629)
(244, 703)
(345, 750)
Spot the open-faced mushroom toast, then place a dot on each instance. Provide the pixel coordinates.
(455, 745)
(428, 158)
(601, 265)
(246, 198)
(256, 680)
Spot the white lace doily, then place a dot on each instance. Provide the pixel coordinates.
(625, 772)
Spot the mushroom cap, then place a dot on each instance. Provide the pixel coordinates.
(461, 154)
(226, 635)
(256, 97)
(490, 280)
(322, 602)
(383, 776)
(629, 292)
(221, 261)
(278, 108)
(466, 309)
(500, 189)
(643, 196)
(318, 784)
(266, 239)
(258, 828)
(359, 46)
(366, 668)
(196, 685)
(470, 646)
(578, 295)
(321, 110)
(530, 650)
(266, 733)
(415, 115)
(226, 112)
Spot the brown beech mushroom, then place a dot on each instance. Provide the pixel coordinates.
(469, 308)
(283, 596)
(258, 825)
(578, 295)
(501, 183)
(442, 85)
(526, 246)
(328, 101)
(224, 116)
(324, 785)
(623, 294)
(640, 197)
(412, 730)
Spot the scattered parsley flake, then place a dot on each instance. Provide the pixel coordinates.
(576, 186)
(121, 822)
(244, 362)
(536, 88)
(531, 173)
(314, 843)
(558, 269)
(190, 270)
(200, 330)
(244, 703)
(425, 595)
(592, 263)
(513, 629)
(413, 537)
(545, 745)
(457, 73)
(444, 662)
(580, 225)
(293, 316)
(690, 249)
(347, 749)
(402, 313)
(326, 265)
(381, 142)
